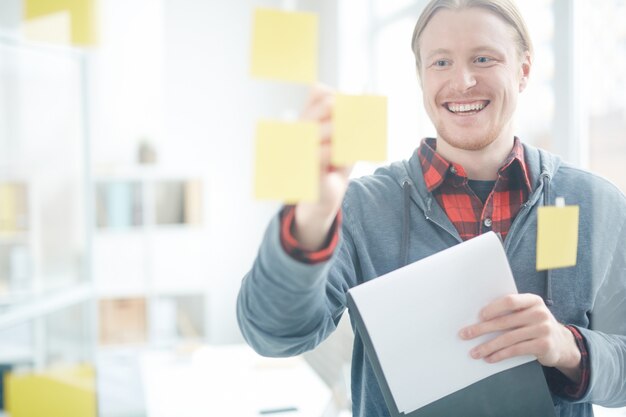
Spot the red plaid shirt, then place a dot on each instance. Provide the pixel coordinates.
(449, 185)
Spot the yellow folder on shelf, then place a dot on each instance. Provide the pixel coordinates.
(48, 18)
(58, 392)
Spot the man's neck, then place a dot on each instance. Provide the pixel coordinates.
(482, 164)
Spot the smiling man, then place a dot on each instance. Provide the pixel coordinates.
(473, 59)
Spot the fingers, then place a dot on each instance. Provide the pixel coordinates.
(524, 348)
(533, 314)
(523, 325)
(509, 304)
(514, 342)
(319, 108)
(326, 129)
(319, 105)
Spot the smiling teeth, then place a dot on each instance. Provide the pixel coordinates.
(457, 108)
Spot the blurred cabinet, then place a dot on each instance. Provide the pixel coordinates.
(46, 306)
(150, 256)
(46, 301)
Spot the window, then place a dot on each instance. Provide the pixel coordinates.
(574, 104)
(604, 64)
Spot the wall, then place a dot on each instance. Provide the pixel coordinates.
(211, 107)
(176, 72)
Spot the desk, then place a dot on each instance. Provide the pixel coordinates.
(225, 381)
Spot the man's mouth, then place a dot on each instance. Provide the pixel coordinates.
(466, 108)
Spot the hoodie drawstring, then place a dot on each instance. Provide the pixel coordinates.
(546, 200)
(406, 224)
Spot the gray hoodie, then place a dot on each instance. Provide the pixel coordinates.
(286, 307)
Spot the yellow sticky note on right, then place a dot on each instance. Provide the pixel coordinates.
(287, 164)
(67, 392)
(82, 19)
(285, 45)
(557, 237)
(360, 129)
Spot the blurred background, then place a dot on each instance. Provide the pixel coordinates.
(127, 217)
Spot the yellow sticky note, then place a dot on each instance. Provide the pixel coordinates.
(82, 21)
(360, 129)
(557, 237)
(287, 161)
(285, 45)
(63, 392)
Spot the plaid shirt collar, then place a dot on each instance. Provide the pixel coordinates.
(436, 169)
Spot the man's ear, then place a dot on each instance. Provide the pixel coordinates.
(526, 64)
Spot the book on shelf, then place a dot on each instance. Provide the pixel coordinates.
(169, 201)
(178, 317)
(119, 204)
(123, 321)
(193, 202)
(13, 208)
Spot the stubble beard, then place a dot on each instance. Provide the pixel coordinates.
(466, 142)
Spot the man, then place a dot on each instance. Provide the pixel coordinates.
(473, 59)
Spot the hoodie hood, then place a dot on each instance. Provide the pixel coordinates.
(542, 166)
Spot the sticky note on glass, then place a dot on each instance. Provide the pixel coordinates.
(360, 129)
(45, 17)
(557, 236)
(287, 165)
(285, 45)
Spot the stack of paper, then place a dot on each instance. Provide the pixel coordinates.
(409, 321)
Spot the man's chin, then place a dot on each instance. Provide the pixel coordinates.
(467, 143)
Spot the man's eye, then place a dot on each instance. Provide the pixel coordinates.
(483, 60)
(441, 63)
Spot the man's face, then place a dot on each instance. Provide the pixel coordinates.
(471, 75)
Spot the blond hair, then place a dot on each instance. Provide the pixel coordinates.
(505, 9)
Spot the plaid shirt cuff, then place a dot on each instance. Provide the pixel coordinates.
(293, 248)
(561, 385)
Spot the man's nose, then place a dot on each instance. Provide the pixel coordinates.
(463, 78)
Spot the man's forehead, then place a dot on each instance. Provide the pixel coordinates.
(470, 30)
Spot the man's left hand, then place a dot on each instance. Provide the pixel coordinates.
(528, 328)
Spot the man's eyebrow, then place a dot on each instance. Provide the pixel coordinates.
(485, 48)
(489, 49)
(438, 51)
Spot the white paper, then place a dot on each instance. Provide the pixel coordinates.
(413, 316)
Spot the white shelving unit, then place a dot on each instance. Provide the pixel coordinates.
(150, 248)
(45, 290)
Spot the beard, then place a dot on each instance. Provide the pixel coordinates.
(466, 140)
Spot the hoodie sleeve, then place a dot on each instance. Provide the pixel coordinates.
(286, 307)
(606, 339)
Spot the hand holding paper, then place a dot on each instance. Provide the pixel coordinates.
(529, 328)
(406, 352)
